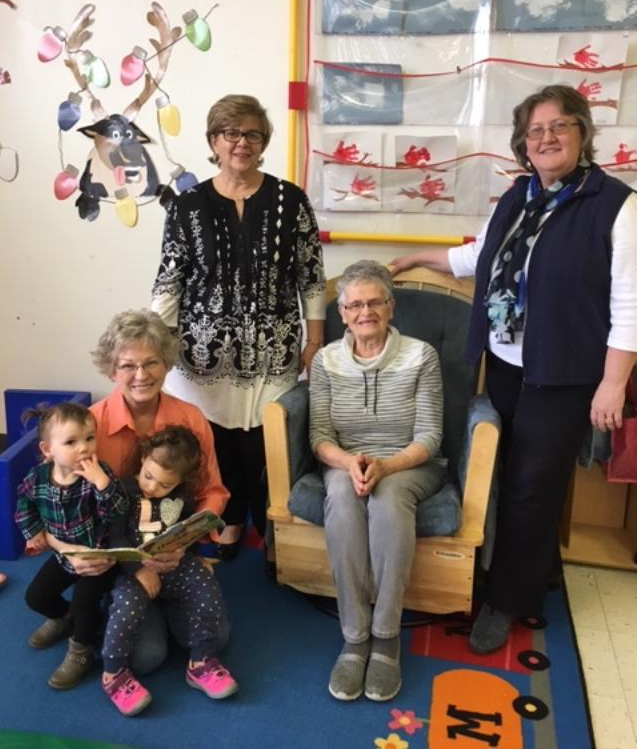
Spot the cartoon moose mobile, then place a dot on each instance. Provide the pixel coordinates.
(118, 158)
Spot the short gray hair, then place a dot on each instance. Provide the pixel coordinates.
(134, 326)
(365, 271)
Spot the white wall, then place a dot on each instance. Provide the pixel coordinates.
(62, 279)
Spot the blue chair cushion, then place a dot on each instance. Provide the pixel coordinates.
(439, 515)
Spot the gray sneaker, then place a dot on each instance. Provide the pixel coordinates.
(347, 677)
(383, 680)
(51, 632)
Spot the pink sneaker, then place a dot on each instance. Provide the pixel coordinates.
(212, 678)
(126, 693)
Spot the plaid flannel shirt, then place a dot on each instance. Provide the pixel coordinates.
(76, 514)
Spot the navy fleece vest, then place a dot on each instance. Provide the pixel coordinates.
(568, 291)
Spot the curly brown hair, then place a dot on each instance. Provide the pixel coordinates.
(177, 449)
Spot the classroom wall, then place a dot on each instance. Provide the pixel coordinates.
(62, 279)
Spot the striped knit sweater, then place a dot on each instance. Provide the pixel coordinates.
(377, 407)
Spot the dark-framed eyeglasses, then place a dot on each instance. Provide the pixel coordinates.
(559, 127)
(360, 306)
(234, 135)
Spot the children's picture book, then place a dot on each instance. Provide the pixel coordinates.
(177, 536)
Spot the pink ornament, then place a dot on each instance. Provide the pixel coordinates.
(66, 182)
(133, 66)
(51, 43)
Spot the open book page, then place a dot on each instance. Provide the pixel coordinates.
(184, 533)
(180, 535)
(120, 555)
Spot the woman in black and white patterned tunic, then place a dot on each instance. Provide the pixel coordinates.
(238, 252)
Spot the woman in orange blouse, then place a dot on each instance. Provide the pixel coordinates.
(136, 352)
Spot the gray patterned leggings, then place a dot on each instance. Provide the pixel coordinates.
(192, 586)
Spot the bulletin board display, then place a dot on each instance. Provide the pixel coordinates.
(407, 118)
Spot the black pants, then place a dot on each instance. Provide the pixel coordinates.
(241, 457)
(44, 595)
(543, 428)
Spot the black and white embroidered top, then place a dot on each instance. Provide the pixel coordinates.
(231, 288)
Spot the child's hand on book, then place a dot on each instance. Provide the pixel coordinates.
(92, 471)
(150, 581)
(88, 567)
(167, 561)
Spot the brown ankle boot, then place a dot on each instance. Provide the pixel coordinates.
(50, 632)
(76, 664)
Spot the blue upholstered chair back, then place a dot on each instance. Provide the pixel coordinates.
(441, 321)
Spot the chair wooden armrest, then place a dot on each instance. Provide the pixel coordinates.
(480, 474)
(277, 459)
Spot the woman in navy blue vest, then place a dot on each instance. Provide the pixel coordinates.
(556, 310)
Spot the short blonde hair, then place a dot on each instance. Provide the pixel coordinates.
(230, 110)
(130, 327)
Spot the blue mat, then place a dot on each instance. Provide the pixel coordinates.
(281, 653)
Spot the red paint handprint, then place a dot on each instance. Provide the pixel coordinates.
(624, 154)
(589, 90)
(363, 187)
(346, 153)
(414, 156)
(586, 59)
(431, 189)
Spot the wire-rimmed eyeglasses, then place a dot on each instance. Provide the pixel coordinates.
(129, 368)
(559, 127)
(371, 304)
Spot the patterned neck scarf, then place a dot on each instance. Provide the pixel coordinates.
(505, 299)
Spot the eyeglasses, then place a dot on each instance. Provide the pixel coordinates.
(233, 135)
(150, 366)
(360, 306)
(559, 127)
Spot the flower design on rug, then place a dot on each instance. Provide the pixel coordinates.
(393, 741)
(405, 720)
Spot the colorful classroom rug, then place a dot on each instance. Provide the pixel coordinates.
(530, 695)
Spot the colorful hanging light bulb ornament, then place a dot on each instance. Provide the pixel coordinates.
(51, 44)
(125, 207)
(197, 30)
(70, 111)
(94, 69)
(66, 182)
(183, 179)
(168, 115)
(133, 66)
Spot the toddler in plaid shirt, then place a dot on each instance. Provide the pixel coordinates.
(66, 503)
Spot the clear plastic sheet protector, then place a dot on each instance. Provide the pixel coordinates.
(411, 102)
